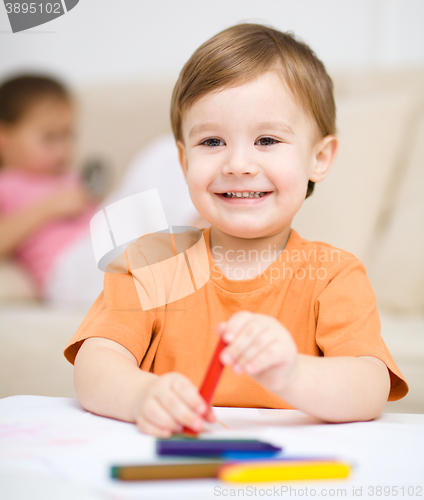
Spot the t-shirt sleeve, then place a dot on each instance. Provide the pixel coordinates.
(348, 323)
(117, 314)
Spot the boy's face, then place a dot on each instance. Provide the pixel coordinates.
(41, 141)
(252, 138)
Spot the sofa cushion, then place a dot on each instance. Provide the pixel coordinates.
(345, 208)
(397, 270)
(15, 283)
(32, 339)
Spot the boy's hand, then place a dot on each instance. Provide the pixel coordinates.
(260, 346)
(170, 402)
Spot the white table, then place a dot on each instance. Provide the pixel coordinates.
(51, 448)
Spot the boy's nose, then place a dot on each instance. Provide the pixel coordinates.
(239, 164)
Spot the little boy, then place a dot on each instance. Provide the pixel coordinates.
(253, 116)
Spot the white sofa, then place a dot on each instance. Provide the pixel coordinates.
(370, 204)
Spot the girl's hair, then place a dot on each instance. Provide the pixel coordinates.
(243, 52)
(18, 94)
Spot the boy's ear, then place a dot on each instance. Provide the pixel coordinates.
(182, 158)
(326, 152)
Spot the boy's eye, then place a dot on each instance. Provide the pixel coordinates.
(267, 141)
(212, 142)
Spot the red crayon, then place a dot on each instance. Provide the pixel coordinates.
(211, 378)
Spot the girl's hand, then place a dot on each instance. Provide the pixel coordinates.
(260, 346)
(170, 402)
(68, 202)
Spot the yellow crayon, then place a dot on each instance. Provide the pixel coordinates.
(253, 472)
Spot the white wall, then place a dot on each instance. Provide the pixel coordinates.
(117, 39)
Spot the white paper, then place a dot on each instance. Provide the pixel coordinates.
(57, 437)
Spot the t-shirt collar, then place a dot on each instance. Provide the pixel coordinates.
(264, 278)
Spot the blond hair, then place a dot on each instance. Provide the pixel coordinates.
(243, 52)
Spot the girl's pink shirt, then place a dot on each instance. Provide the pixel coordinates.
(38, 253)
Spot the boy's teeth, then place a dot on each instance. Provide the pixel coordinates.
(245, 194)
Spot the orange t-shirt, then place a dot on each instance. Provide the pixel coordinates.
(320, 293)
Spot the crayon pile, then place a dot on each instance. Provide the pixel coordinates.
(230, 460)
(233, 460)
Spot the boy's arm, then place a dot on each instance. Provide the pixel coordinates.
(338, 389)
(335, 389)
(107, 379)
(109, 382)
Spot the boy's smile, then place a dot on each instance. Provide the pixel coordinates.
(247, 155)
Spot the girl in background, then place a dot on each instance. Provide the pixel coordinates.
(45, 208)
